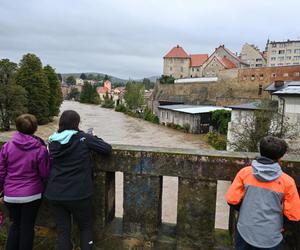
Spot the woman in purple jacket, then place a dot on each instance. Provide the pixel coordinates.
(24, 164)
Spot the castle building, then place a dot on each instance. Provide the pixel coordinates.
(283, 53)
(179, 64)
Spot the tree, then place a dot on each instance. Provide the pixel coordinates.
(74, 94)
(59, 77)
(55, 95)
(89, 94)
(12, 97)
(266, 120)
(165, 79)
(71, 80)
(148, 84)
(220, 119)
(83, 76)
(31, 76)
(134, 95)
(106, 77)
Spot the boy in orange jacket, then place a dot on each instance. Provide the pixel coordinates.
(263, 194)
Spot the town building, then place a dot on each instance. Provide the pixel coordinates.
(196, 118)
(283, 53)
(242, 117)
(251, 55)
(106, 88)
(179, 64)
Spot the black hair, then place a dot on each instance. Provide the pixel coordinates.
(26, 124)
(272, 147)
(69, 120)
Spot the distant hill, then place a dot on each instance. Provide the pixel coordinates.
(113, 78)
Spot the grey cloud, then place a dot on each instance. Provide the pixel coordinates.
(128, 38)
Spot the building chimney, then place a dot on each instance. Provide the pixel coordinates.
(278, 83)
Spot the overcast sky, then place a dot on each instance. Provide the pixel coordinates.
(128, 38)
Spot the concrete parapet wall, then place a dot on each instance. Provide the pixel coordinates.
(141, 226)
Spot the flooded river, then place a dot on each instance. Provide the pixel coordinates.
(118, 128)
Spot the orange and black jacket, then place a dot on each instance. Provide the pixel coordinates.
(264, 194)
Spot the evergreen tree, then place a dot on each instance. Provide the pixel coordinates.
(71, 80)
(12, 97)
(32, 77)
(89, 94)
(59, 77)
(83, 76)
(55, 95)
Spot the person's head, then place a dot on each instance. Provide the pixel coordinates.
(272, 147)
(69, 120)
(26, 124)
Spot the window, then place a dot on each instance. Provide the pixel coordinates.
(181, 69)
(193, 69)
(296, 58)
(171, 68)
(273, 74)
(261, 76)
(260, 89)
(252, 77)
(245, 78)
(288, 51)
(272, 64)
(258, 59)
(162, 114)
(297, 51)
(281, 45)
(181, 76)
(181, 60)
(198, 70)
(281, 58)
(280, 64)
(167, 115)
(273, 58)
(274, 51)
(258, 65)
(280, 52)
(288, 58)
(297, 74)
(296, 63)
(274, 45)
(285, 74)
(191, 76)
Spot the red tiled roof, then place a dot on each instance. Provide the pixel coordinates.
(102, 90)
(177, 52)
(232, 54)
(226, 62)
(198, 59)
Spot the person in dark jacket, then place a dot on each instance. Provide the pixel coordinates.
(70, 184)
(24, 167)
(263, 194)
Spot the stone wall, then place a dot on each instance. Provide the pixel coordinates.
(141, 226)
(177, 67)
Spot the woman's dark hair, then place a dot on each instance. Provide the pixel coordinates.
(69, 120)
(272, 147)
(26, 124)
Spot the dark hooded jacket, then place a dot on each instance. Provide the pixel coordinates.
(71, 173)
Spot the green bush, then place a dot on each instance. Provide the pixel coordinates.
(216, 140)
(165, 79)
(121, 108)
(149, 116)
(108, 103)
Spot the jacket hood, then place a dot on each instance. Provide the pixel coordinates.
(63, 137)
(25, 142)
(265, 169)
